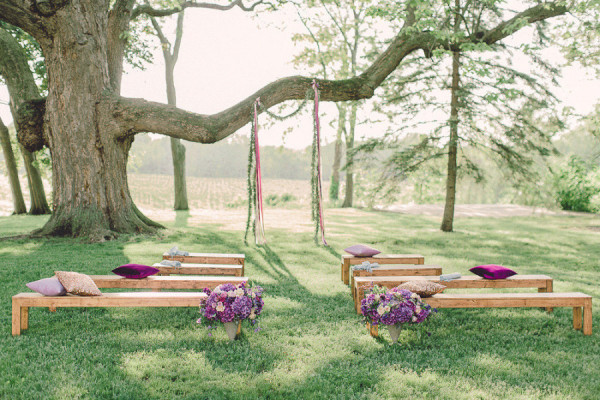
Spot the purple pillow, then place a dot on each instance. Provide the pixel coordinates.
(48, 287)
(361, 250)
(135, 271)
(492, 271)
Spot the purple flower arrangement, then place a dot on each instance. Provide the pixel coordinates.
(230, 303)
(394, 307)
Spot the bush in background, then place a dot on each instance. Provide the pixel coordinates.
(577, 186)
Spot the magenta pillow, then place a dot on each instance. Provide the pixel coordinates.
(492, 271)
(361, 250)
(47, 287)
(135, 271)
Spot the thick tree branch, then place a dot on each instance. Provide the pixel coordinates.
(138, 115)
(153, 12)
(118, 23)
(17, 13)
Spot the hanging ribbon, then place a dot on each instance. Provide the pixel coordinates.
(318, 140)
(259, 231)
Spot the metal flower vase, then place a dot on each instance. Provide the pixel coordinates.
(233, 329)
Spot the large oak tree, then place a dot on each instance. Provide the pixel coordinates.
(89, 127)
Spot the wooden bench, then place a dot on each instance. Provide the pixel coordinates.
(396, 270)
(23, 301)
(348, 260)
(209, 258)
(542, 282)
(201, 269)
(581, 303)
(165, 282)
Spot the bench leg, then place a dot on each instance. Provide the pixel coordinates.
(587, 318)
(549, 289)
(16, 318)
(24, 318)
(373, 330)
(577, 318)
(52, 308)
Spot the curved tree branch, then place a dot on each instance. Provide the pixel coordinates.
(138, 115)
(153, 12)
(18, 13)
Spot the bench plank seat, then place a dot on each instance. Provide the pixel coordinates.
(165, 282)
(348, 260)
(202, 269)
(543, 283)
(208, 258)
(397, 270)
(23, 301)
(581, 303)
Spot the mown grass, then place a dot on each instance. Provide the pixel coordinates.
(312, 344)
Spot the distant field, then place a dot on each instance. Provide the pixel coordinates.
(155, 192)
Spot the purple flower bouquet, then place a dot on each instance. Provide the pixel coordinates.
(231, 304)
(394, 308)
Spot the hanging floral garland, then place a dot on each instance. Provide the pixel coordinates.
(317, 189)
(255, 203)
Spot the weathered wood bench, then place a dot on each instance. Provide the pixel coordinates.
(201, 269)
(421, 270)
(165, 282)
(23, 301)
(543, 283)
(581, 303)
(348, 260)
(209, 258)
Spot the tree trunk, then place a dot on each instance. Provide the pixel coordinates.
(349, 191)
(37, 194)
(448, 219)
(11, 169)
(91, 196)
(177, 148)
(334, 188)
(21, 87)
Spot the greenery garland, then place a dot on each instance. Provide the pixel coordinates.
(251, 180)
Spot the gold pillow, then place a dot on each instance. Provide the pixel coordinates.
(422, 287)
(79, 284)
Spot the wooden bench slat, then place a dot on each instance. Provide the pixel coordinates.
(541, 282)
(581, 303)
(22, 301)
(348, 260)
(397, 270)
(208, 258)
(165, 282)
(202, 269)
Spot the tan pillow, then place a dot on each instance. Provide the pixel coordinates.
(423, 288)
(79, 284)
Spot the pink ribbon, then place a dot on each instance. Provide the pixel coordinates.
(260, 226)
(320, 190)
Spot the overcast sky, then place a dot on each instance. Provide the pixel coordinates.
(224, 58)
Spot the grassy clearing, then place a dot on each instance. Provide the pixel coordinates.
(312, 344)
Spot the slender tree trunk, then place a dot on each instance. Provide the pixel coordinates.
(11, 169)
(349, 190)
(448, 219)
(21, 87)
(334, 188)
(37, 194)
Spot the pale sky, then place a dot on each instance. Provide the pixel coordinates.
(224, 58)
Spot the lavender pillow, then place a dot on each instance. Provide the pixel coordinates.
(492, 271)
(48, 287)
(361, 250)
(135, 271)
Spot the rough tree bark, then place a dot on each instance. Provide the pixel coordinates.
(11, 169)
(448, 218)
(177, 148)
(89, 127)
(21, 87)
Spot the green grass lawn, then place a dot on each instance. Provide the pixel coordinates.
(312, 344)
